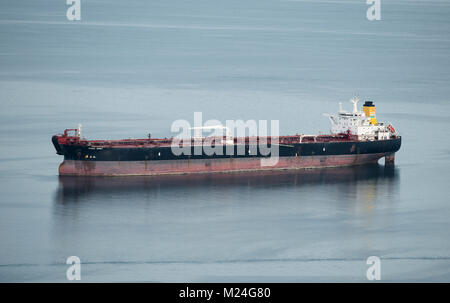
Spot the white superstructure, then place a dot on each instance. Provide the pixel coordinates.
(360, 123)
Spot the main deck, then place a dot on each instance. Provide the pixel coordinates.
(68, 140)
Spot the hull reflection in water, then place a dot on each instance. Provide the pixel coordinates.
(78, 188)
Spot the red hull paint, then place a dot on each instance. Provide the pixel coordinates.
(123, 168)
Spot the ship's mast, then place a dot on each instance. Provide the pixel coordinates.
(355, 100)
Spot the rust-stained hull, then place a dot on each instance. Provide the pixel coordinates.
(216, 165)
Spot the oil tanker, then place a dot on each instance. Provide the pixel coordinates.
(356, 138)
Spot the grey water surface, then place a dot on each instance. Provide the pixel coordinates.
(129, 68)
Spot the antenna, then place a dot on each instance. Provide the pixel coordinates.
(355, 100)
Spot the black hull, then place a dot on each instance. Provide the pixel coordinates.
(86, 153)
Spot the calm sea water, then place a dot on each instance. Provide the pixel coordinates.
(133, 67)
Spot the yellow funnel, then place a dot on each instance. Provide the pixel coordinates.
(369, 111)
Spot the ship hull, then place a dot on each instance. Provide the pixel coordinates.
(167, 167)
(87, 158)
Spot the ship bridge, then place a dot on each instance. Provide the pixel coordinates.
(362, 124)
